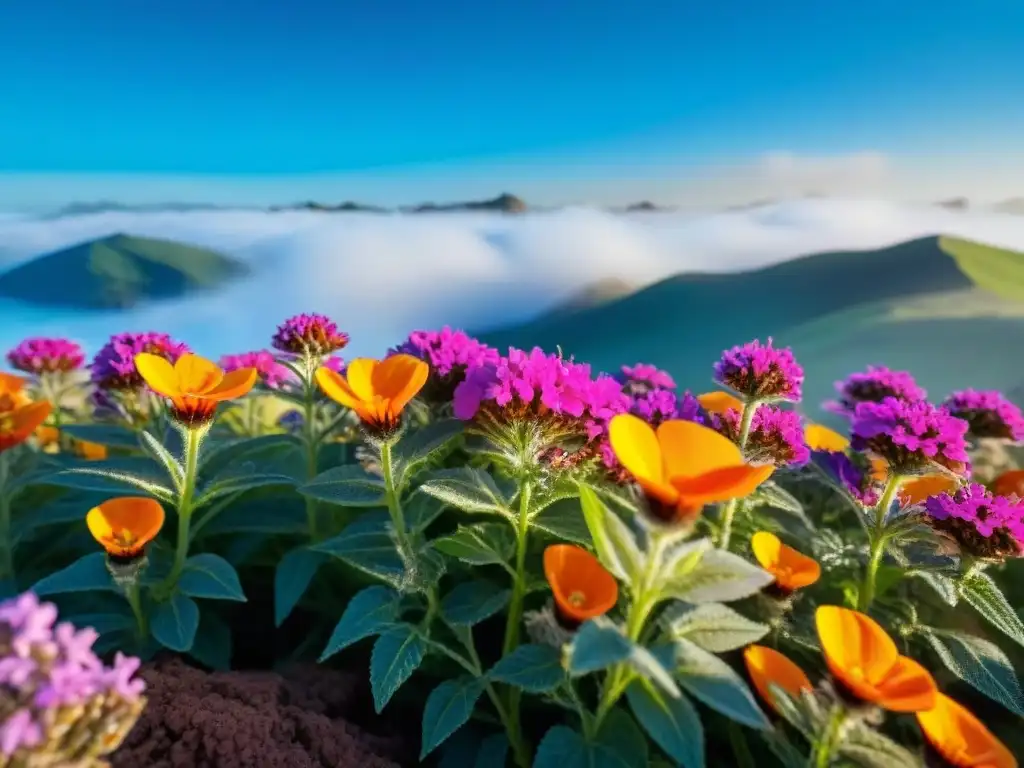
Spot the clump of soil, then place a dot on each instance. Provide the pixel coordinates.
(295, 719)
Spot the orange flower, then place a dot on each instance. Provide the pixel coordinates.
(920, 488)
(19, 416)
(719, 402)
(582, 588)
(791, 569)
(864, 659)
(768, 667)
(879, 469)
(377, 390)
(683, 465)
(90, 451)
(193, 384)
(124, 526)
(819, 438)
(47, 436)
(961, 738)
(1009, 483)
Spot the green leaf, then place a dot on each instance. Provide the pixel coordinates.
(980, 664)
(397, 653)
(159, 452)
(105, 434)
(619, 744)
(369, 612)
(597, 646)
(563, 521)
(713, 626)
(212, 646)
(673, 724)
(472, 602)
(716, 684)
(615, 544)
(103, 623)
(984, 594)
(720, 577)
(448, 708)
(211, 577)
(416, 448)
(127, 475)
(175, 622)
(421, 510)
(367, 544)
(220, 456)
(941, 584)
(292, 578)
(870, 749)
(480, 544)
(68, 508)
(87, 574)
(246, 480)
(348, 486)
(469, 489)
(772, 495)
(493, 752)
(534, 668)
(272, 515)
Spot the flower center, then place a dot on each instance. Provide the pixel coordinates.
(577, 599)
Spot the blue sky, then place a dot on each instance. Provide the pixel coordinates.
(268, 89)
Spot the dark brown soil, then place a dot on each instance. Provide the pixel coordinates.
(297, 719)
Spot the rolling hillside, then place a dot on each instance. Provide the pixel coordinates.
(117, 272)
(951, 311)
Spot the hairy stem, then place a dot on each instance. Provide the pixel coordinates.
(823, 751)
(393, 501)
(867, 591)
(729, 513)
(193, 439)
(134, 597)
(312, 456)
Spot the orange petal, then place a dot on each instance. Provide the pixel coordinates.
(920, 488)
(47, 436)
(27, 419)
(399, 379)
(360, 377)
(792, 569)
(196, 375)
(235, 384)
(722, 484)
(11, 384)
(857, 650)
(335, 387)
(961, 738)
(1009, 483)
(719, 402)
(158, 373)
(907, 687)
(636, 447)
(689, 449)
(879, 469)
(767, 667)
(123, 526)
(90, 451)
(819, 438)
(583, 589)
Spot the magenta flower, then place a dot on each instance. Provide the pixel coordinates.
(37, 356)
(270, 371)
(912, 437)
(448, 351)
(983, 525)
(114, 365)
(307, 334)
(643, 377)
(761, 372)
(850, 473)
(988, 413)
(873, 386)
(776, 436)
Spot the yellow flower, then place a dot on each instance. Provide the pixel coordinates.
(193, 384)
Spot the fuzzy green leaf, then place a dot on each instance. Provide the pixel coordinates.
(716, 684)
(534, 668)
(371, 611)
(720, 577)
(672, 723)
(468, 489)
(448, 708)
(471, 602)
(619, 744)
(713, 626)
(211, 577)
(348, 486)
(175, 622)
(368, 544)
(480, 544)
(979, 663)
(984, 594)
(615, 544)
(397, 653)
(417, 448)
(562, 520)
(87, 574)
(292, 578)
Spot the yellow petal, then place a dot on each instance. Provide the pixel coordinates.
(335, 387)
(719, 402)
(766, 547)
(819, 438)
(158, 373)
(197, 375)
(689, 449)
(636, 446)
(854, 644)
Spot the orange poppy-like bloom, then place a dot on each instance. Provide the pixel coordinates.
(920, 488)
(19, 416)
(193, 384)
(1009, 483)
(377, 390)
(819, 438)
(767, 667)
(792, 570)
(581, 586)
(125, 525)
(683, 465)
(90, 451)
(961, 738)
(864, 659)
(719, 402)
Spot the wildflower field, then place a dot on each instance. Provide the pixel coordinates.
(564, 568)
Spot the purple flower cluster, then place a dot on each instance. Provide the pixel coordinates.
(37, 356)
(873, 386)
(912, 437)
(776, 436)
(761, 372)
(642, 377)
(47, 668)
(309, 334)
(448, 351)
(114, 365)
(851, 473)
(270, 371)
(988, 413)
(982, 524)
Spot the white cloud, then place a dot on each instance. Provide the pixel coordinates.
(381, 276)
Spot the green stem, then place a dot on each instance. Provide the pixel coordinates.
(6, 545)
(729, 513)
(393, 501)
(193, 438)
(867, 591)
(822, 756)
(515, 617)
(312, 457)
(134, 597)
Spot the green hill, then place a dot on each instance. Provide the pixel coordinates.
(949, 310)
(117, 272)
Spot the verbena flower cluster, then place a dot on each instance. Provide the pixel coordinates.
(450, 353)
(852, 473)
(776, 436)
(989, 414)
(40, 355)
(761, 371)
(114, 365)
(271, 372)
(982, 524)
(912, 437)
(873, 386)
(59, 703)
(311, 334)
(641, 378)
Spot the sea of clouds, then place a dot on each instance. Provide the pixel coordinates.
(380, 276)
